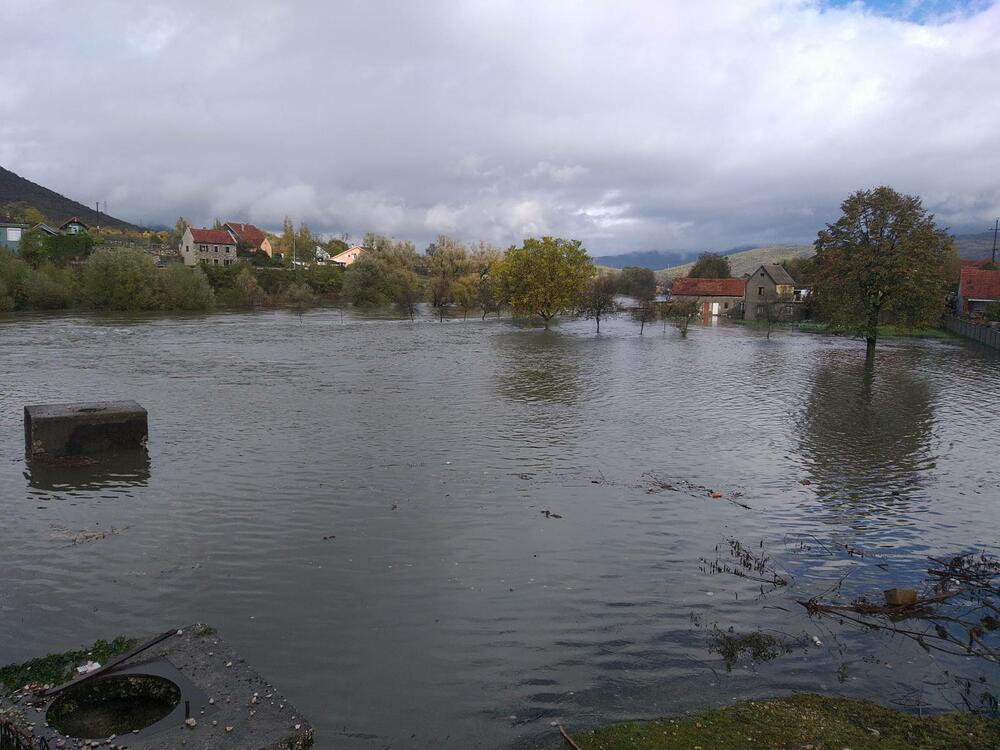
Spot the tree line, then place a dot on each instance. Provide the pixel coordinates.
(884, 260)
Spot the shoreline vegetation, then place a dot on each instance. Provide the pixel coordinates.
(860, 282)
(801, 720)
(793, 721)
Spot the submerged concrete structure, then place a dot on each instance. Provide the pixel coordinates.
(84, 429)
(216, 701)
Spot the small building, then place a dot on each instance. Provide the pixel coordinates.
(73, 226)
(770, 294)
(347, 257)
(977, 288)
(46, 229)
(250, 237)
(322, 256)
(10, 236)
(213, 247)
(714, 296)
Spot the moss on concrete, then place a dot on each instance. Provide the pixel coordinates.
(55, 669)
(798, 721)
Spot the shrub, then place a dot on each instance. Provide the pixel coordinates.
(51, 288)
(993, 311)
(183, 288)
(120, 280)
(15, 278)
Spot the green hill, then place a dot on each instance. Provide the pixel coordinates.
(747, 261)
(56, 208)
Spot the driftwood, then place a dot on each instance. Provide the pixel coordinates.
(569, 740)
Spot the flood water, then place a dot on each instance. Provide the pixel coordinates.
(357, 504)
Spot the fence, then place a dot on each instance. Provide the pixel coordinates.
(983, 334)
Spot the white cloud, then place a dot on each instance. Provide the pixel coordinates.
(634, 125)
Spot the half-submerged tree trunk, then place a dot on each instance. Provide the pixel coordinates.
(872, 332)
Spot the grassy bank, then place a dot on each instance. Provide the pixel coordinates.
(799, 721)
(55, 669)
(886, 331)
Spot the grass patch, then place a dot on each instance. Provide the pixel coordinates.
(887, 331)
(55, 669)
(809, 720)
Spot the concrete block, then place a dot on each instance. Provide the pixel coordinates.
(83, 429)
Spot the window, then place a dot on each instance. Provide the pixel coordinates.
(203, 248)
(216, 248)
(760, 291)
(14, 234)
(725, 305)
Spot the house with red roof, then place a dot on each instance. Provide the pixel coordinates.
(714, 296)
(213, 247)
(977, 288)
(249, 237)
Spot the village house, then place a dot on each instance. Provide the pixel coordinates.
(714, 296)
(73, 226)
(250, 237)
(977, 288)
(770, 294)
(10, 236)
(213, 247)
(347, 257)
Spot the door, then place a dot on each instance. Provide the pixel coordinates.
(715, 308)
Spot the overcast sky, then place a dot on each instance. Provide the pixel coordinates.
(673, 125)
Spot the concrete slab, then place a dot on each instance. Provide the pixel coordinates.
(82, 429)
(232, 706)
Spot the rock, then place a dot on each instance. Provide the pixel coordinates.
(191, 723)
(900, 597)
(716, 494)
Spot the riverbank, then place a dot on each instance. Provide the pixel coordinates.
(799, 721)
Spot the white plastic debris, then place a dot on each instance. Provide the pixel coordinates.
(817, 641)
(90, 666)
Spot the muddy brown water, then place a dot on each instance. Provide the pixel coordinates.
(358, 504)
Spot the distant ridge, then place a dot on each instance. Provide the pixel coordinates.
(57, 208)
(644, 259)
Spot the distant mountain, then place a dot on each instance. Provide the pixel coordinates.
(644, 259)
(746, 261)
(57, 208)
(975, 246)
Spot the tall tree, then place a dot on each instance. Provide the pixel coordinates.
(447, 262)
(545, 277)
(711, 266)
(486, 260)
(883, 259)
(599, 298)
(637, 283)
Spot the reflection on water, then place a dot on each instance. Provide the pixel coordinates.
(539, 366)
(358, 503)
(124, 469)
(865, 432)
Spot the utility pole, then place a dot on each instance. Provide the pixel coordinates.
(995, 229)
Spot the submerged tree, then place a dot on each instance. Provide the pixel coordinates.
(646, 312)
(681, 313)
(883, 259)
(599, 299)
(545, 277)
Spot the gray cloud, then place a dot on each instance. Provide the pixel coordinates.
(636, 125)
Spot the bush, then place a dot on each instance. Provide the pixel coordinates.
(120, 280)
(51, 288)
(184, 288)
(993, 311)
(15, 279)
